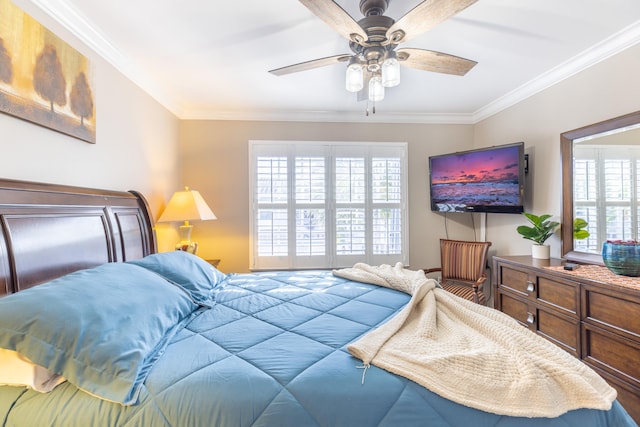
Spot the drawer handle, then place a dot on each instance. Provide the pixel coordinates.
(530, 286)
(530, 318)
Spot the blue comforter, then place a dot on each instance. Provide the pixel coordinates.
(271, 351)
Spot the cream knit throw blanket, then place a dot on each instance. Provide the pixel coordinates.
(471, 354)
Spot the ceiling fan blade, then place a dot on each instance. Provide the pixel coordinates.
(425, 16)
(337, 18)
(310, 65)
(437, 62)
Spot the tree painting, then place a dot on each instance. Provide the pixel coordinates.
(6, 72)
(43, 79)
(81, 98)
(48, 80)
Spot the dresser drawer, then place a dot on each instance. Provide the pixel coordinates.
(514, 279)
(560, 293)
(563, 294)
(612, 353)
(514, 307)
(613, 311)
(560, 329)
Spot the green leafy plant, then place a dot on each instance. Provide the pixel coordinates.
(540, 230)
(579, 231)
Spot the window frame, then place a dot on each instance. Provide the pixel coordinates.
(330, 150)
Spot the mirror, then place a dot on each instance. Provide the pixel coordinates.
(601, 184)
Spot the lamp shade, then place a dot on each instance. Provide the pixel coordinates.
(187, 205)
(391, 71)
(376, 90)
(355, 77)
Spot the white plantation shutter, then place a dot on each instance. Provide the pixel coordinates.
(310, 204)
(271, 219)
(327, 205)
(387, 193)
(350, 198)
(605, 179)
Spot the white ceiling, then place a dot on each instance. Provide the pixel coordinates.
(210, 59)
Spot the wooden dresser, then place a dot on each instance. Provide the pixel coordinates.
(590, 312)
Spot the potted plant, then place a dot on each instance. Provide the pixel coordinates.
(540, 230)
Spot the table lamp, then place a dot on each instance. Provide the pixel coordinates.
(187, 205)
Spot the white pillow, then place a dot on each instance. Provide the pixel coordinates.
(17, 370)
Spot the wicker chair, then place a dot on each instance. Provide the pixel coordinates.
(463, 266)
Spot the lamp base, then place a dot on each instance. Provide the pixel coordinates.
(191, 247)
(186, 244)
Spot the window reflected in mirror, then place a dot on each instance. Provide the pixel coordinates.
(606, 187)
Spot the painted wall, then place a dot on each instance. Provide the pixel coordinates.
(606, 90)
(136, 142)
(142, 146)
(215, 161)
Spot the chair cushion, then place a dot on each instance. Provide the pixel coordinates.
(465, 292)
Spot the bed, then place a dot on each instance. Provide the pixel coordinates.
(110, 333)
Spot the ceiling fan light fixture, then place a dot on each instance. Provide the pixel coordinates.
(355, 76)
(376, 90)
(374, 63)
(391, 71)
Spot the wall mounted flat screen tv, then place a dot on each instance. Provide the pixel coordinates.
(483, 180)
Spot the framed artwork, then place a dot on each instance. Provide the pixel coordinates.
(43, 79)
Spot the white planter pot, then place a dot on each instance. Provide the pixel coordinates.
(540, 251)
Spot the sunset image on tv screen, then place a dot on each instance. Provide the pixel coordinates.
(476, 178)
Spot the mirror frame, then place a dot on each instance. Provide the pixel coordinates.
(566, 149)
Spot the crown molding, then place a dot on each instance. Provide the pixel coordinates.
(71, 19)
(617, 43)
(77, 24)
(329, 116)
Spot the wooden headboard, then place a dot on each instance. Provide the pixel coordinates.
(48, 230)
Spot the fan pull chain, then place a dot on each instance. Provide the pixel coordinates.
(373, 108)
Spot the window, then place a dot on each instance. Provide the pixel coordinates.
(606, 180)
(327, 205)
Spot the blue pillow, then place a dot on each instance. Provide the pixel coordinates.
(102, 328)
(191, 272)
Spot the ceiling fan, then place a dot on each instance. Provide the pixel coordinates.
(374, 39)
